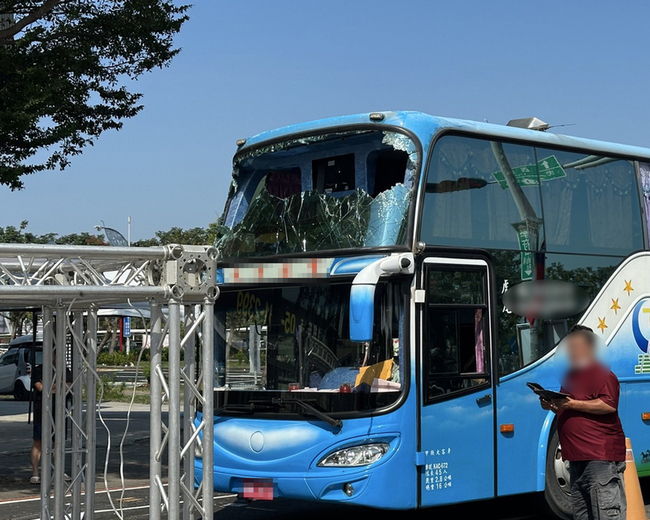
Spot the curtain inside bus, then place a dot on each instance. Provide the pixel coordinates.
(644, 169)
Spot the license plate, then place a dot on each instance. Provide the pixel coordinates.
(258, 489)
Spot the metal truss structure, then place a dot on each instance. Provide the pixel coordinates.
(69, 284)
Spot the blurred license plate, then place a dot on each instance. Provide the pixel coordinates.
(258, 489)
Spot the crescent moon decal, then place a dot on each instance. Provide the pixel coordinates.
(640, 339)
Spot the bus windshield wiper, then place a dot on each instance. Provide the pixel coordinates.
(250, 407)
(264, 405)
(310, 409)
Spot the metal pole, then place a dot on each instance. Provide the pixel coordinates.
(32, 363)
(128, 231)
(174, 444)
(47, 293)
(91, 411)
(46, 420)
(77, 417)
(207, 357)
(89, 252)
(59, 414)
(189, 406)
(155, 425)
(121, 334)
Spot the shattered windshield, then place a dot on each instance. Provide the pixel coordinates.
(336, 191)
(272, 342)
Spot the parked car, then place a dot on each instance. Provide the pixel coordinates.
(16, 367)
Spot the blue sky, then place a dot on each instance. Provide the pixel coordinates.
(249, 66)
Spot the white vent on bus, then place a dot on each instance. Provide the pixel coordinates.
(530, 123)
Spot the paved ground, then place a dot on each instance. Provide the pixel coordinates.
(19, 500)
(15, 469)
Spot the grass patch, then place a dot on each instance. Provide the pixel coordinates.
(119, 392)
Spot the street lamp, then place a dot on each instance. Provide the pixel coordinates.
(114, 237)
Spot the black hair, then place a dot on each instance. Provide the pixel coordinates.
(587, 334)
(578, 327)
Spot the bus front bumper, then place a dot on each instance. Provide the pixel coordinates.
(352, 486)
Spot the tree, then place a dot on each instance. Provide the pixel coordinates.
(176, 235)
(19, 235)
(62, 68)
(16, 321)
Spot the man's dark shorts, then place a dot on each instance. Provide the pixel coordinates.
(598, 490)
(38, 431)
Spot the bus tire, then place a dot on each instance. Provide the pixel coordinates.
(557, 491)
(20, 392)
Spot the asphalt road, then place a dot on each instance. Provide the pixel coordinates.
(20, 501)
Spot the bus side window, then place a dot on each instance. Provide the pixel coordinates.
(455, 352)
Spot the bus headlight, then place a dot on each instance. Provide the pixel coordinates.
(361, 455)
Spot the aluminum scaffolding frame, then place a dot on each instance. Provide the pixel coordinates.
(70, 284)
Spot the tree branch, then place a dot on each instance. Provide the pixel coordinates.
(36, 14)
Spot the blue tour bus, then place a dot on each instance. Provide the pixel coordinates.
(363, 350)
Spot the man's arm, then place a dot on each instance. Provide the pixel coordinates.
(593, 406)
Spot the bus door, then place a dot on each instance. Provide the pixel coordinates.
(456, 455)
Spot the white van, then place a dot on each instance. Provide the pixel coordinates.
(15, 366)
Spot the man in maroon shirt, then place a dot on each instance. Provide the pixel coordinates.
(590, 431)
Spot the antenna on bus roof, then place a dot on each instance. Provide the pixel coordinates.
(533, 123)
(565, 124)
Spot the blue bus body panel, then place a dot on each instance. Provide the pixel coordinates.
(425, 126)
(288, 452)
(521, 456)
(458, 446)
(629, 355)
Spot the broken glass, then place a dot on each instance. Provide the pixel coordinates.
(403, 143)
(314, 221)
(261, 221)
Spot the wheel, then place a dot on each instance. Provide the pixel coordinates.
(20, 392)
(557, 492)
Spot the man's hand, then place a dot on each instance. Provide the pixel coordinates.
(566, 403)
(593, 406)
(547, 405)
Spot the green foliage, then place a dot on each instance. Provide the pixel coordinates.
(146, 370)
(19, 235)
(116, 359)
(242, 357)
(63, 66)
(113, 391)
(176, 235)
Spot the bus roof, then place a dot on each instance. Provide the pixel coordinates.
(425, 126)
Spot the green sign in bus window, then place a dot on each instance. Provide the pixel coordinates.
(547, 169)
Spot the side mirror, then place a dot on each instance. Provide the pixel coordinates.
(362, 312)
(362, 294)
